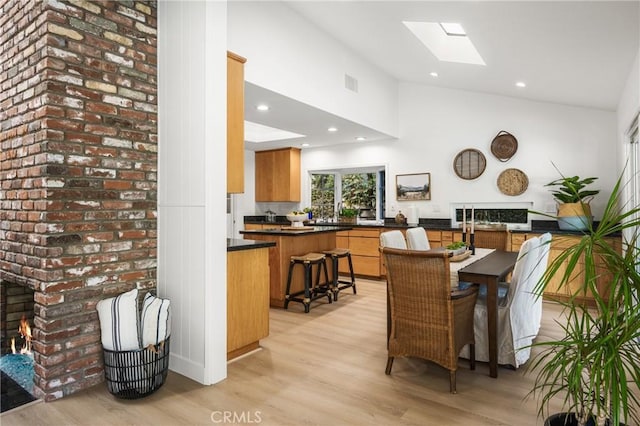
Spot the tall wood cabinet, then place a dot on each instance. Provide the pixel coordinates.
(235, 123)
(278, 175)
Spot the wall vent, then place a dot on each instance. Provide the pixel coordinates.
(351, 83)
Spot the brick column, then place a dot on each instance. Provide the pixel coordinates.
(78, 140)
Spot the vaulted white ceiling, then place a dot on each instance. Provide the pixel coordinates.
(569, 52)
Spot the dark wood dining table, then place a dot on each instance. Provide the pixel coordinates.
(491, 270)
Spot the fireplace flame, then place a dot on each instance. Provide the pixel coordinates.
(25, 334)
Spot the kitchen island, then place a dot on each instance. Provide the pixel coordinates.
(292, 242)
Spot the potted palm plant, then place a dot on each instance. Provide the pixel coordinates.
(595, 367)
(573, 197)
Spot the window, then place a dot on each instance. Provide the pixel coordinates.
(323, 195)
(360, 189)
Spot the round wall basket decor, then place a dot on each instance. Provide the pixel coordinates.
(469, 163)
(513, 182)
(504, 146)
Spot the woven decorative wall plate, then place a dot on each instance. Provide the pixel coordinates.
(513, 182)
(469, 163)
(504, 146)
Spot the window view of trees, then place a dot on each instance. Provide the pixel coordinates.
(323, 195)
(359, 191)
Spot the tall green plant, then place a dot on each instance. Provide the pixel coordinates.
(595, 367)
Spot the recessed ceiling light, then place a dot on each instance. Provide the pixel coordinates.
(443, 47)
(521, 84)
(262, 107)
(332, 129)
(361, 138)
(452, 29)
(433, 74)
(304, 145)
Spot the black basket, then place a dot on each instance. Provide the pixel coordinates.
(136, 374)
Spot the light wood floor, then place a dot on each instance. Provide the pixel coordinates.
(321, 368)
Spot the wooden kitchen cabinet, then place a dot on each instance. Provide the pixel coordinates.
(247, 300)
(491, 239)
(260, 226)
(435, 238)
(442, 238)
(278, 175)
(363, 243)
(555, 290)
(559, 243)
(235, 123)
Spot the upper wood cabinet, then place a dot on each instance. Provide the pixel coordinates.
(235, 123)
(278, 175)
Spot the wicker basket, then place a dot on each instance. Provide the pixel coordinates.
(504, 145)
(512, 182)
(136, 374)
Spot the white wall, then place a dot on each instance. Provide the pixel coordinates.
(192, 183)
(628, 107)
(436, 124)
(287, 54)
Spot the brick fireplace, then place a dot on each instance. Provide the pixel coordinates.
(78, 151)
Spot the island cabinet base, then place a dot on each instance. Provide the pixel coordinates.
(247, 300)
(280, 256)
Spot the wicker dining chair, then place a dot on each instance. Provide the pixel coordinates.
(428, 320)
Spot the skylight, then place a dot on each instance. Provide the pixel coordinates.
(447, 46)
(453, 29)
(254, 132)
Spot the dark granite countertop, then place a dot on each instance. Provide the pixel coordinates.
(234, 244)
(388, 223)
(537, 226)
(306, 230)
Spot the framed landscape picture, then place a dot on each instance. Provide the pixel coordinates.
(414, 187)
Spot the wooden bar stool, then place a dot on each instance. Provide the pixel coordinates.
(338, 285)
(311, 291)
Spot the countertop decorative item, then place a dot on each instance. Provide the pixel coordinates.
(297, 218)
(348, 215)
(469, 164)
(574, 211)
(270, 216)
(513, 182)
(504, 146)
(400, 218)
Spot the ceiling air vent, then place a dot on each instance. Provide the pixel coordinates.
(351, 83)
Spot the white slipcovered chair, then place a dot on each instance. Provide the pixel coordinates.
(519, 309)
(393, 239)
(417, 239)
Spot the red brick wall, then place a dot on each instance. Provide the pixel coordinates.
(78, 140)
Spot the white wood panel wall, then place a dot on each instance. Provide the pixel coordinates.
(192, 183)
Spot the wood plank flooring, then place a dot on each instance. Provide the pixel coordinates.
(322, 368)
